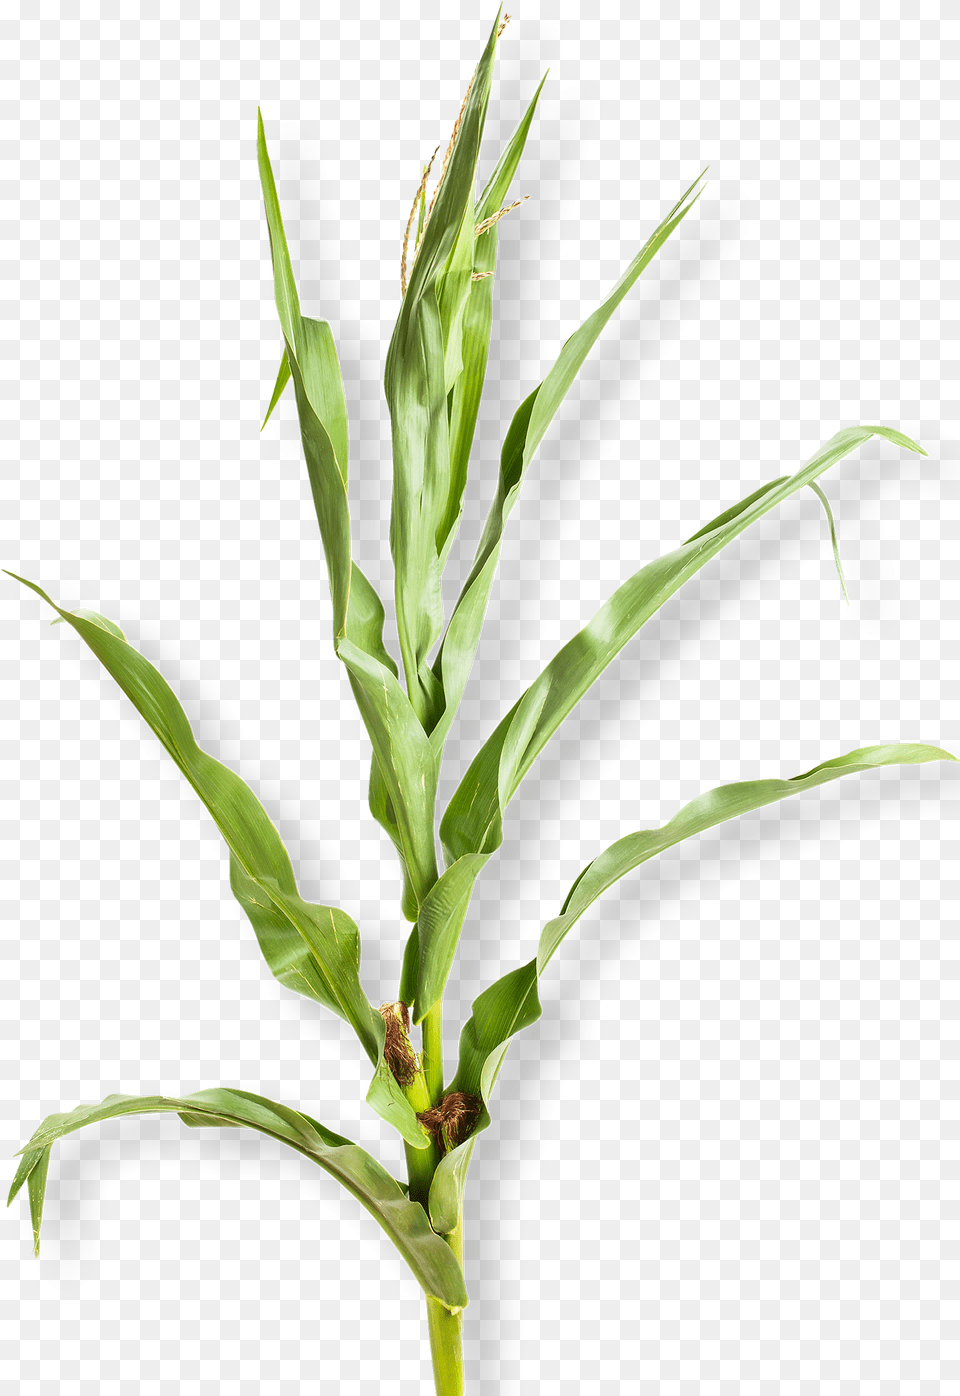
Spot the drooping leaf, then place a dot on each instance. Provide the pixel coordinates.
(312, 949)
(32, 1170)
(833, 537)
(431, 1259)
(472, 821)
(513, 1002)
(530, 422)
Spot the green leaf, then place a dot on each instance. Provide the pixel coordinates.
(436, 948)
(438, 930)
(513, 1003)
(472, 821)
(476, 322)
(431, 1259)
(94, 617)
(404, 793)
(32, 1170)
(530, 422)
(283, 378)
(312, 949)
(406, 760)
(833, 536)
(423, 361)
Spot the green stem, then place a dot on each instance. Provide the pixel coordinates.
(432, 1053)
(446, 1329)
(446, 1348)
(421, 1166)
(446, 1332)
(421, 1163)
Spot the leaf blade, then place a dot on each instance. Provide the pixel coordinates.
(423, 360)
(473, 819)
(358, 615)
(530, 422)
(475, 334)
(406, 1224)
(833, 537)
(325, 965)
(512, 1003)
(283, 378)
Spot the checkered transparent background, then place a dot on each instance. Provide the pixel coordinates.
(726, 1158)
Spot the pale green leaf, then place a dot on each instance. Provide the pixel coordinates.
(833, 537)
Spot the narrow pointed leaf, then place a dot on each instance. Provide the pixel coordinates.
(32, 1170)
(513, 1003)
(475, 337)
(29, 1158)
(436, 948)
(283, 378)
(325, 964)
(472, 822)
(526, 431)
(405, 811)
(833, 537)
(36, 1191)
(422, 363)
(246, 828)
(431, 1260)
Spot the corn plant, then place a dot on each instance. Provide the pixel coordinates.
(434, 376)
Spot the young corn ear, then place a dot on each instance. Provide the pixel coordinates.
(433, 381)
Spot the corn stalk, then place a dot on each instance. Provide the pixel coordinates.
(433, 380)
